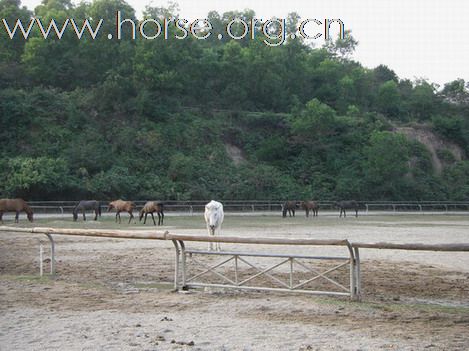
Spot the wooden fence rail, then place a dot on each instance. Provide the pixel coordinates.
(181, 280)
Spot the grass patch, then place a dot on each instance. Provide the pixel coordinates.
(249, 221)
(45, 279)
(92, 286)
(416, 307)
(393, 307)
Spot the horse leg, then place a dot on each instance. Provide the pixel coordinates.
(153, 217)
(1, 217)
(217, 244)
(293, 212)
(84, 217)
(17, 216)
(340, 213)
(116, 217)
(356, 212)
(119, 217)
(145, 220)
(159, 218)
(211, 245)
(95, 215)
(162, 217)
(307, 213)
(131, 216)
(209, 248)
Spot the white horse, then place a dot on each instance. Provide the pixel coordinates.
(214, 218)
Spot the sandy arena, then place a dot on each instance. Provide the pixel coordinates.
(112, 294)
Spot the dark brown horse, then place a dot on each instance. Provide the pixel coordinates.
(87, 205)
(149, 208)
(15, 205)
(122, 206)
(347, 205)
(289, 206)
(310, 206)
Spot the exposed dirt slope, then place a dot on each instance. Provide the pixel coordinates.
(433, 143)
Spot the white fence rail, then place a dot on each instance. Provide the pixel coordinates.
(191, 207)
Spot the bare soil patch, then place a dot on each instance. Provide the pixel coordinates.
(117, 295)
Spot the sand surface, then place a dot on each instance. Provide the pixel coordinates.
(114, 294)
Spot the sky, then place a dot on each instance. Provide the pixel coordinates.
(417, 39)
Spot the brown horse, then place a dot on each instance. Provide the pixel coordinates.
(122, 206)
(15, 205)
(149, 208)
(289, 206)
(310, 206)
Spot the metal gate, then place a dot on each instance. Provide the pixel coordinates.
(245, 270)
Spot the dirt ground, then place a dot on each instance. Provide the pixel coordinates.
(112, 294)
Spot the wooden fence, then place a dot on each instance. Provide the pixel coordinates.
(182, 280)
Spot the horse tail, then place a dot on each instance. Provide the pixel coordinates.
(99, 209)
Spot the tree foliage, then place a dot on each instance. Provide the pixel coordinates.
(152, 118)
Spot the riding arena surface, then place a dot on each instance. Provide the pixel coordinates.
(117, 294)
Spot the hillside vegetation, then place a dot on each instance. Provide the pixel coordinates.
(227, 119)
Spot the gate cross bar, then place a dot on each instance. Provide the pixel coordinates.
(187, 282)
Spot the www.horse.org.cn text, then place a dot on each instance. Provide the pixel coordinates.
(273, 32)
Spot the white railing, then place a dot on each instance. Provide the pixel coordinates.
(191, 207)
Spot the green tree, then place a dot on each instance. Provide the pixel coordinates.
(388, 99)
(386, 164)
(27, 177)
(457, 179)
(342, 47)
(316, 124)
(422, 101)
(11, 72)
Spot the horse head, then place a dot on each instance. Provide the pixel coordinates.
(213, 215)
(110, 206)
